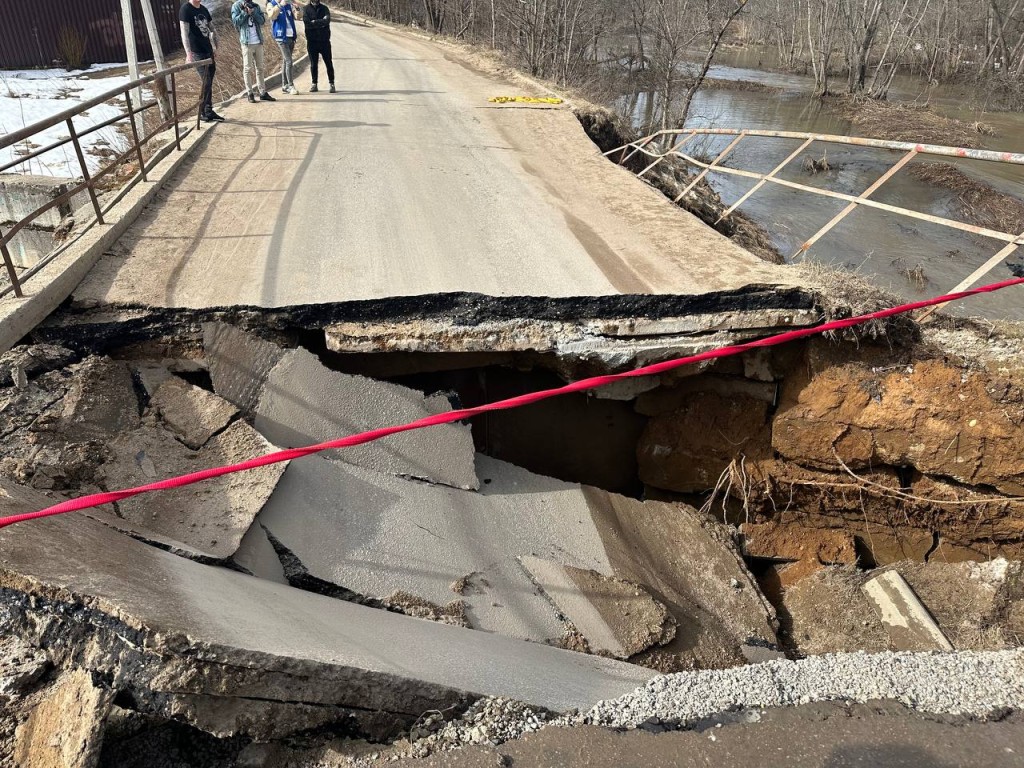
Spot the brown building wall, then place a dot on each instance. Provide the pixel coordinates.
(29, 31)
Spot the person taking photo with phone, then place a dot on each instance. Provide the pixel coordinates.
(249, 19)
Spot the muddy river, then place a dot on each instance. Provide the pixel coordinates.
(913, 258)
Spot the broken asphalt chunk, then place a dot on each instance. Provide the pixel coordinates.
(211, 516)
(162, 625)
(192, 413)
(297, 401)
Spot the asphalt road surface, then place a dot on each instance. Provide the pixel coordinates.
(406, 182)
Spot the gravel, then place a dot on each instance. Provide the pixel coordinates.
(963, 683)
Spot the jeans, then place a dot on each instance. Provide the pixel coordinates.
(316, 49)
(252, 58)
(287, 47)
(206, 72)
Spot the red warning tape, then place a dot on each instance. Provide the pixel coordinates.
(99, 499)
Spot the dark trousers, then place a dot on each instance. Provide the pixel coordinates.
(316, 49)
(206, 72)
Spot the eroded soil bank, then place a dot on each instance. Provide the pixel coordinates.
(705, 518)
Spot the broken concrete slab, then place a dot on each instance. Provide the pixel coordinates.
(615, 616)
(100, 402)
(211, 516)
(303, 402)
(691, 563)
(162, 624)
(239, 363)
(33, 360)
(191, 412)
(629, 340)
(910, 626)
(377, 535)
(256, 555)
(66, 729)
(295, 401)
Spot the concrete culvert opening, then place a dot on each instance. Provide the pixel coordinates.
(710, 517)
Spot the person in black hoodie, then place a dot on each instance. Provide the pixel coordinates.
(316, 17)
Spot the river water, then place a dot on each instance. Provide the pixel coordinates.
(914, 259)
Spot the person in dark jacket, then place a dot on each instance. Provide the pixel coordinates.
(316, 17)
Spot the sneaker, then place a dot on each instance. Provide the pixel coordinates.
(252, 99)
(313, 89)
(332, 88)
(206, 117)
(266, 97)
(213, 116)
(287, 89)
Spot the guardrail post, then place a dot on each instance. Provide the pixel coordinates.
(174, 112)
(85, 170)
(10, 267)
(135, 135)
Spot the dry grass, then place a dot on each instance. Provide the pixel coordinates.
(715, 84)
(904, 122)
(979, 203)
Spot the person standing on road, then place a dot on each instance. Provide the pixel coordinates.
(282, 16)
(316, 17)
(249, 19)
(200, 43)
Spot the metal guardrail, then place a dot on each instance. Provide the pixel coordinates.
(674, 140)
(167, 78)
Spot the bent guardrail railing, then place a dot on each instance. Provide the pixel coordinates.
(675, 140)
(167, 78)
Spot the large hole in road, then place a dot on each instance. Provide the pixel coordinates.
(706, 517)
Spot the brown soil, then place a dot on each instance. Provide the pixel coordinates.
(979, 203)
(905, 122)
(910, 453)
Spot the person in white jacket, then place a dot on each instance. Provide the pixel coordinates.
(282, 16)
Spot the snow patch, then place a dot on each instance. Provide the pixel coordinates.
(30, 95)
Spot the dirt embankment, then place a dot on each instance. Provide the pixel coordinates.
(908, 454)
(608, 131)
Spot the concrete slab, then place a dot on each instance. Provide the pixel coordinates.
(615, 616)
(191, 412)
(239, 363)
(379, 535)
(257, 556)
(295, 401)
(101, 402)
(211, 516)
(66, 729)
(910, 626)
(167, 624)
(303, 402)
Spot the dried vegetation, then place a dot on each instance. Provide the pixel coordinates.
(979, 203)
(907, 122)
